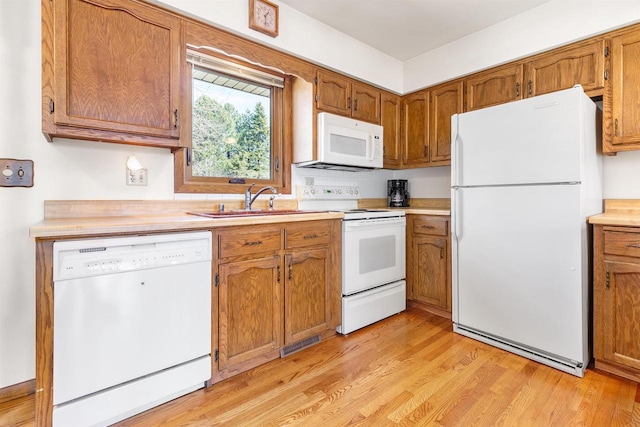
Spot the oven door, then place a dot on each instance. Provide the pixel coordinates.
(373, 253)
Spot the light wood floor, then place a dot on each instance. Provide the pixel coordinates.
(410, 369)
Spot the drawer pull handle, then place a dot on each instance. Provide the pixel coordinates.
(255, 243)
(428, 227)
(633, 245)
(311, 236)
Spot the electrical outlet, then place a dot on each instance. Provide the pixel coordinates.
(137, 177)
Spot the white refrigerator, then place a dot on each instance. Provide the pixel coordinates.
(525, 176)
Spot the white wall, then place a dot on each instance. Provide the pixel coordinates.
(87, 170)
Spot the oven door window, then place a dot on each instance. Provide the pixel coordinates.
(373, 254)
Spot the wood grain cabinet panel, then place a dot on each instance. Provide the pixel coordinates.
(564, 68)
(495, 86)
(307, 295)
(390, 106)
(333, 93)
(249, 310)
(276, 285)
(415, 130)
(621, 109)
(446, 100)
(341, 95)
(429, 263)
(616, 304)
(366, 103)
(116, 70)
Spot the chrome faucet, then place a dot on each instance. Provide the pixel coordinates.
(248, 200)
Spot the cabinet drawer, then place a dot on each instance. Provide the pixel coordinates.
(237, 243)
(435, 226)
(307, 234)
(620, 243)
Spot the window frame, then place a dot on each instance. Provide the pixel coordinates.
(281, 125)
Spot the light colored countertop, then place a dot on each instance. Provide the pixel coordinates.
(622, 212)
(418, 206)
(78, 218)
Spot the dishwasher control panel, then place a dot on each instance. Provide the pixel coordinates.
(92, 257)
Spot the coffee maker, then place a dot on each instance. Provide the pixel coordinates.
(397, 193)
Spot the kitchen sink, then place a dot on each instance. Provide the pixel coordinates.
(252, 213)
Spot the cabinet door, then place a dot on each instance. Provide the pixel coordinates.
(333, 93)
(390, 120)
(366, 103)
(621, 313)
(621, 110)
(117, 67)
(446, 100)
(429, 281)
(494, 87)
(250, 305)
(307, 310)
(415, 130)
(564, 69)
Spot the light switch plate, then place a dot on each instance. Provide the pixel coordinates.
(16, 173)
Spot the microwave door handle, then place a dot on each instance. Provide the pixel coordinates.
(371, 148)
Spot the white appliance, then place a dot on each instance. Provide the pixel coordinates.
(373, 255)
(132, 324)
(343, 144)
(525, 175)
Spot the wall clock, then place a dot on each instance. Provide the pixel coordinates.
(263, 17)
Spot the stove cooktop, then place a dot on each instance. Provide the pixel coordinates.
(371, 213)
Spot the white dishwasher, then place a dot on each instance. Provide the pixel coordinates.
(132, 324)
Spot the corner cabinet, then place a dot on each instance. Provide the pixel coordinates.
(111, 72)
(338, 94)
(277, 286)
(429, 263)
(391, 124)
(616, 305)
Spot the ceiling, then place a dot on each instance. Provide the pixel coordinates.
(404, 29)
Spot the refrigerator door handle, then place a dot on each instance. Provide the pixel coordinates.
(456, 146)
(456, 210)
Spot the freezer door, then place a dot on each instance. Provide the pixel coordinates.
(519, 266)
(535, 140)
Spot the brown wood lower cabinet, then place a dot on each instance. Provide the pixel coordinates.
(277, 285)
(429, 263)
(616, 313)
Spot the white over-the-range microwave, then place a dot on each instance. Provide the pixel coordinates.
(345, 144)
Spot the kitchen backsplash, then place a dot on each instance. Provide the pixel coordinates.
(423, 183)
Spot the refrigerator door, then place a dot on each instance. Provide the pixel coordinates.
(535, 140)
(518, 260)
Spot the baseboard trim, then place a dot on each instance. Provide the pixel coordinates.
(17, 390)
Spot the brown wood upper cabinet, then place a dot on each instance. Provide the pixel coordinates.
(111, 71)
(415, 129)
(390, 121)
(621, 110)
(446, 100)
(495, 86)
(341, 95)
(564, 68)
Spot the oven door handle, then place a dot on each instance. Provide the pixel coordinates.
(374, 223)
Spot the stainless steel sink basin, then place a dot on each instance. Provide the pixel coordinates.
(242, 213)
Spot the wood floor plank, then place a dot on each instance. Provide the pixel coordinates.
(408, 370)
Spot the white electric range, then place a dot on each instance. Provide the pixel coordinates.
(373, 255)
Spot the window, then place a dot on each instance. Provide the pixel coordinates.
(236, 135)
